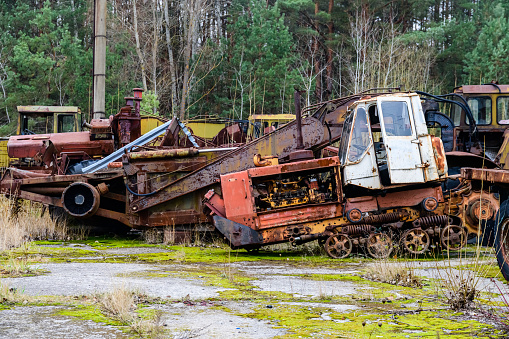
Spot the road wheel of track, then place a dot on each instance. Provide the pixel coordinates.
(379, 245)
(415, 241)
(453, 237)
(338, 246)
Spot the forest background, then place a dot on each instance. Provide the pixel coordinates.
(233, 58)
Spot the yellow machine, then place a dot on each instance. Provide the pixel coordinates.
(489, 104)
(206, 127)
(48, 119)
(261, 124)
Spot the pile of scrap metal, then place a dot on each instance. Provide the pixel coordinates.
(164, 186)
(61, 153)
(388, 185)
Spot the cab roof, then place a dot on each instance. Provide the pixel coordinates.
(48, 110)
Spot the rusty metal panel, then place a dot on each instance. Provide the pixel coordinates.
(163, 154)
(488, 175)
(428, 158)
(238, 197)
(407, 197)
(299, 215)
(175, 165)
(364, 204)
(29, 146)
(294, 167)
(280, 142)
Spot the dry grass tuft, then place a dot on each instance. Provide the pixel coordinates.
(393, 272)
(23, 221)
(459, 287)
(121, 304)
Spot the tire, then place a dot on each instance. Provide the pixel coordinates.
(502, 239)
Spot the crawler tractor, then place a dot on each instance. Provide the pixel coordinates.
(388, 186)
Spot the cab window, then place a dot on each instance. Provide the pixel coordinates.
(65, 123)
(360, 136)
(396, 119)
(455, 114)
(481, 109)
(503, 110)
(347, 127)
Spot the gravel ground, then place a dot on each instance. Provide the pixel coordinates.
(88, 278)
(27, 322)
(190, 314)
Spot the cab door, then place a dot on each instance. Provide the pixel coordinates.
(400, 140)
(357, 151)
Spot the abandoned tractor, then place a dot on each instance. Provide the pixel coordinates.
(388, 186)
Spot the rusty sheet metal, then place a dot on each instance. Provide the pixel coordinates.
(55, 201)
(163, 154)
(29, 146)
(489, 175)
(440, 158)
(180, 165)
(364, 204)
(47, 179)
(16, 173)
(215, 203)
(280, 142)
(237, 234)
(299, 215)
(294, 167)
(237, 191)
(409, 197)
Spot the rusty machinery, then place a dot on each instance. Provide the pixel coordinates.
(56, 152)
(387, 187)
(164, 185)
(298, 198)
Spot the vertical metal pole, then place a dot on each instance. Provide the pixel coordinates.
(99, 59)
(298, 117)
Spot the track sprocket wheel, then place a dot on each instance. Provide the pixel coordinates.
(453, 237)
(415, 241)
(379, 245)
(338, 246)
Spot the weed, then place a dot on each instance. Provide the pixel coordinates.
(393, 272)
(23, 221)
(121, 304)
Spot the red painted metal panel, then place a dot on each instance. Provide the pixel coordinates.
(238, 198)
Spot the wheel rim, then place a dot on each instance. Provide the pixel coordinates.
(415, 241)
(453, 237)
(379, 245)
(338, 246)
